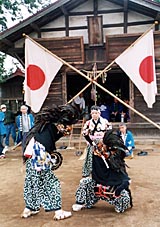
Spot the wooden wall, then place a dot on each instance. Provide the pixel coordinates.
(70, 49)
(12, 93)
(55, 95)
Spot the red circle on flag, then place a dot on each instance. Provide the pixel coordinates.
(35, 77)
(146, 69)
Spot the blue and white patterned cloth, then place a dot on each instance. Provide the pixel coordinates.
(40, 158)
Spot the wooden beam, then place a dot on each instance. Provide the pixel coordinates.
(140, 22)
(64, 87)
(19, 59)
(95, 7)
(79, 27)
(18, 54)
(125, 15)
(36, 28)
(117, 25)
(7, 42)
(157, 18)
(136, 23)
(64, 10)
(110, 11)
(16, 50)
(53, 29)
(67, 25)
(131, 98)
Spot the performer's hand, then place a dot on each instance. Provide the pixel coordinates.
(65, 130)
(106, 154)
(94, 144)
(117, 192)
(69, 129)
(120, 188)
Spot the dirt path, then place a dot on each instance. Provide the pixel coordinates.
(144, 172)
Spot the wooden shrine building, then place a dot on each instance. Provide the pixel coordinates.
(85, 33)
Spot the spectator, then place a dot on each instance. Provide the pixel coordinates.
(24, 122)
(116, 111)
(2, 134)
(80, 103)
(105, 110)
(125, 111)
(127, 138)
(9, 122)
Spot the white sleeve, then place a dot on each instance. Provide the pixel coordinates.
(83, 104)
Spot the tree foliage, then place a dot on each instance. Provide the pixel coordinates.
(12, 10)
(2, 69)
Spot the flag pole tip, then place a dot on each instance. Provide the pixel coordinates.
(156, 22)
(23, 34)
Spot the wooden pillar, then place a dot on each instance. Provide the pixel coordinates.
(125, 15)
(64, 87)
(131, 99)
(37, 29)
(67, 25)
(65, 12)
(157, 27)
(95, 7)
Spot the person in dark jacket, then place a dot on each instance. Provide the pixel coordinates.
(116, 111)
(9, 122)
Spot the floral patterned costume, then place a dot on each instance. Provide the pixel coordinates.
(104, 178)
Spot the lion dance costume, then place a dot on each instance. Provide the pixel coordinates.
(42, 188)
(104, 175)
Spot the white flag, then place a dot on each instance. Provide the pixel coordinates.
(41, 68)
(138, 62)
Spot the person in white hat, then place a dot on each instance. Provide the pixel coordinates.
(24, 122)
(3, 106)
